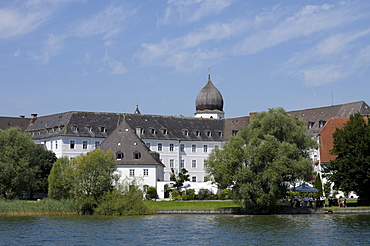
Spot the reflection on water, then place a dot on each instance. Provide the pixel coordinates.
(187, 230)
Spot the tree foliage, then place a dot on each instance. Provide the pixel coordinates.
(85, 179)
(24, 166)
(180, 178)
(267, 155)
(350, 171)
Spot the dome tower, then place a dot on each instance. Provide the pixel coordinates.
(209, 102)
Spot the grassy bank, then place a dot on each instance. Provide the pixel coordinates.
(43, 207)
(191, 204)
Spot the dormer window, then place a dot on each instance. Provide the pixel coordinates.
(164, 131)
(153, 131)
(208, 133)
(74, 128)
(185, 132)
(322, 123)
(219, 134)
(119, 155)
(103, 129)
(310, 124)
(89, 128)
(137, 155)
(234, 132)
(140, 130)
(197, 133)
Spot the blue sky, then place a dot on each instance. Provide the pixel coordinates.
(108, 56)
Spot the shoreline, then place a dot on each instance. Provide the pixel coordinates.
(282, 211)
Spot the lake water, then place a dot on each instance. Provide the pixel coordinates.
(315, 229)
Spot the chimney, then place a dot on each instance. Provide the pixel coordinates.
(33, 118)
(21, 116)
(251, 115)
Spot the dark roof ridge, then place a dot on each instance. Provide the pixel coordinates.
(336, 105)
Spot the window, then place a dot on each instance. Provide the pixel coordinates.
(153, 131)
(146, 172)
(182, 165)
(74, 128)
(119, 155)
(51, 145)
(217, 147)
(97, 143)
(72, 144)
(322, 123)
(164, 131)
(84, 144)
(310, 124)
(194, 179)
(194, 163)
(132, 172)
(219, 134)
(205, 148)
(171, 147)
(197, 133)
(56, 144)
(148, 145)
(172, 163)
(205, 163)
(103, 129)
(208, 133)
(160, 146)
(137, 155)
(185, 132)
(140, 130)
(234, 132)
(182, 147)
(89, 128)
(193, 148)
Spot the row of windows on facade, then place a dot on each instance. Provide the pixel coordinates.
(72, 144)
(185, 132)
(182, 147)
(182, 163)
(145, 172)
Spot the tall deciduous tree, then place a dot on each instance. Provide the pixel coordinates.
(350, 171)
(85, 179)
(267, 155)
(24, 166)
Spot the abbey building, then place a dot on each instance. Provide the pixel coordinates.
(149, 146)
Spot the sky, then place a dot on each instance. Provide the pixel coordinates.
(109, 56)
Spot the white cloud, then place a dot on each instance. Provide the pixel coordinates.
(307, 21)
(51, 48)
(16, 22)
(321, 75)
(327, 60)
(192, 10)
(108, 23)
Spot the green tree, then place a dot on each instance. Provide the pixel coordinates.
(93, 175)
(24, 166)
(259, 163)
(61, 179)
(350, 171)
(180, 178)
(85, 179)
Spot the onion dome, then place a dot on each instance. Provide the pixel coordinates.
(209, 98)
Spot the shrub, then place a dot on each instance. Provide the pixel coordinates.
(151, 193)
(190, 193)
(225, 194)
(204, 194)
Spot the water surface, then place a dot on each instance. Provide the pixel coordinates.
(315, 229)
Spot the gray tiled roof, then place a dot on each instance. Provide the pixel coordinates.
(123, 139)
(159, 127)
(7, 122)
